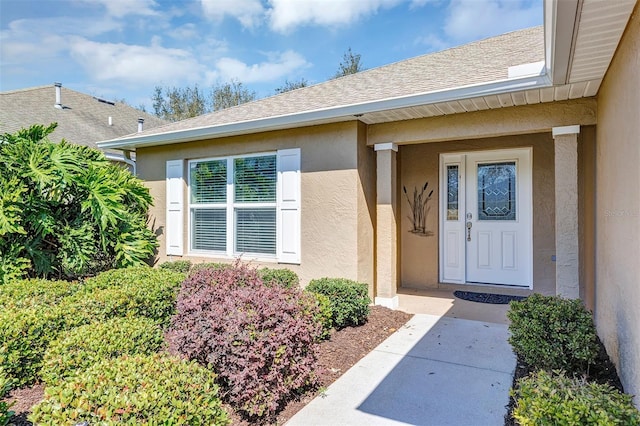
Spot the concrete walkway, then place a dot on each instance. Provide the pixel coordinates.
(436, 370)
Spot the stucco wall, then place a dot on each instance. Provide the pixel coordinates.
(618, 209)
(419, 164)
(336, 222)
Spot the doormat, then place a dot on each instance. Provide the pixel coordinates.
(496, 299)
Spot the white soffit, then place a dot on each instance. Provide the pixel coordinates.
(601, 25)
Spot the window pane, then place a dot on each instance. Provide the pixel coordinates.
(209, 182)
(497, 191)
(256, 231)
(255, 179)
(452, 192)
(209, 229)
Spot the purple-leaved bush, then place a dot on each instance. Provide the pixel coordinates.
(260, 340)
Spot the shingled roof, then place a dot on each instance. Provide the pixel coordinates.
(83, 119)
(478, 62)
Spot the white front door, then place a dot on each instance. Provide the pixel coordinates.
(486, 217)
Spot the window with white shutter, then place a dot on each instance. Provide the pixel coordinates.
(236, 206)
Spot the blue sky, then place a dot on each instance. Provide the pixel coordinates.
(122, 49)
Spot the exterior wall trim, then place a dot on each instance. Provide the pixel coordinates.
(386, 146)
(565, 130)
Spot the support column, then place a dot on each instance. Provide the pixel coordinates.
(566, 193)
(386, 226)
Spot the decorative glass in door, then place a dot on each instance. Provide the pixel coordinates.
(452, 192)
(497, 191)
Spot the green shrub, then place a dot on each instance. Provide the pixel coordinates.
(35, 292)
(209, 265)
(25, 334)
(552, 333)
(5, 387)
(349, 300)
(323, 314)
(140, 291)
(554, 399)
(141, 390)
(83, 346)
(177, 266)
(65, 210)
(281, 277)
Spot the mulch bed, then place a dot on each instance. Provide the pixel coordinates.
(603, 372)
(336, 356)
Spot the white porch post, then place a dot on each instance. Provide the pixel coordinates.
(566, 193)
(386, 226)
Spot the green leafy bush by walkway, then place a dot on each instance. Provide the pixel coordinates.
(554, 399)
(84, 346)
(66, 211)
(138, 390)
(552, 333)
(177, 266)
(349, 300)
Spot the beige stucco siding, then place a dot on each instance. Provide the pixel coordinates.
(336, 218)
(618, 209)
(420, 164)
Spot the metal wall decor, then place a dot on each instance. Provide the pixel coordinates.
(419, 209)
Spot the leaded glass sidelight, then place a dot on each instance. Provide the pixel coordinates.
(497, 191)
(452, 192)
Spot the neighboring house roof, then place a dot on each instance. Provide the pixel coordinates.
(579, 38)
(82, 119)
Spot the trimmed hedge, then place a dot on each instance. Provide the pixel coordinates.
(5, 387)
(25, 332)
(141, 390)
(177, 266)
(140, 291)
(552, 333)
(281, 277)
(84, 346)
(35, 292)
(209, 265)
(323, 314)
(260, 340)
(349, 300)
(554, 399)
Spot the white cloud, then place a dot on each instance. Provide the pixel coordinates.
(120, 8)
(285, 15)
(184, 32)
(133, 64)
(472, 19)
(248, 12)
(278, 65)
(29, 41)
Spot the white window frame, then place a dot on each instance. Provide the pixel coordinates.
(231, 207)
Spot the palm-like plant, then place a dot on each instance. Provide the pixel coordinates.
(65, 211)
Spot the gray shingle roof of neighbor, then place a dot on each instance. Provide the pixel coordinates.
(83, 119)
(474, 63)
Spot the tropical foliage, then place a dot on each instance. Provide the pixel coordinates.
(65, 211)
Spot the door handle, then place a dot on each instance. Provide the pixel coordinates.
(469, 225)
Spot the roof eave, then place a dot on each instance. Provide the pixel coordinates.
(329, 115)
(560, 19)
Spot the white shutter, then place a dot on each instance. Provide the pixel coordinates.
(289, 205)
(175, 210)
